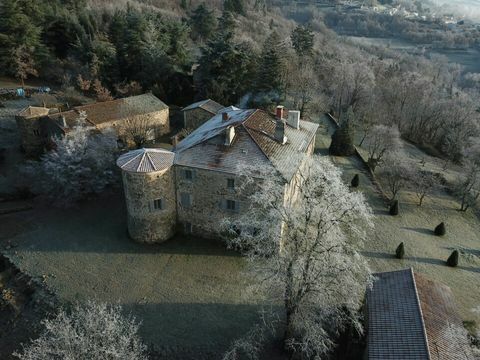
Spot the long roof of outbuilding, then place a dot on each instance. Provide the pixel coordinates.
(411, 317)
(209, 105)
(118, 109)
(254, 143)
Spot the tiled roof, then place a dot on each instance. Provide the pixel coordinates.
(410, 317)
(146, 160)
(208, 105)
(447, 338)
(33, 111)
(119, 109)
(254, 143)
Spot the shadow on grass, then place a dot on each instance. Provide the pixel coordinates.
(419, 230)
(378, 255)
(194, 330)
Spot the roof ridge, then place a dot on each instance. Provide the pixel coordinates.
(150, 160)
(417, 298)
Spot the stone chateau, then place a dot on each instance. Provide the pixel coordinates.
(192, 188)
(38, 125)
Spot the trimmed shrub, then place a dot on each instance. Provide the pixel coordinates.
(400, 252)
(355, 181)
(394, 208)
(440, 229)
(453, 259)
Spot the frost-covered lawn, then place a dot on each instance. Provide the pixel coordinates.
(414, 226)
(188, 293)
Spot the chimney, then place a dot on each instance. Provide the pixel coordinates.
(279, 112)
(63, 121)
(293, 119)
(229, 135)
(280, 132)
(224, 116)
(174, 140)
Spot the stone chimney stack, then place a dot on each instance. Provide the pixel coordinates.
(279, 112)
(280, 131)
(293, 119)
(63, 121)
(225, 117)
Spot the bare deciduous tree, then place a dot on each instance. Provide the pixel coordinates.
(423, 183)
(24, 64)
(92, 331)
(81, 164)
(381, 141)
(305, 251)
(396, 174)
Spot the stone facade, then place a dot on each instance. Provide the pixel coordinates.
(29, 125)
(202, 181)
(193, 118)
(151, 205)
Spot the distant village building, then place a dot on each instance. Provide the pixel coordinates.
(412, 317)
(39, 125)
(200, 183)
(196, 114)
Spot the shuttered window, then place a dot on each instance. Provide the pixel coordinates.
(185, 200)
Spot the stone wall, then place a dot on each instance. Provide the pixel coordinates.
(209, 193)
(30, 133)
(145, 223)
(192, 119)
(158, 121)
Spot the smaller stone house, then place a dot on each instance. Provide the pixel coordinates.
(409, 316)
(196, 114)
(128, 116)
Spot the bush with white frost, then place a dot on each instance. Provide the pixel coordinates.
(313, 264)
(82, 163)
(93, 331)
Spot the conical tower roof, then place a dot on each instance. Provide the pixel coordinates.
(146, 160)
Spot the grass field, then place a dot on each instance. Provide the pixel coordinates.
(414, 226)
(188, 293)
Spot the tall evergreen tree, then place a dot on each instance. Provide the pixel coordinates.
(302, 40)
(270, 80)
(235, 6)
(226, 67)
(203, 22)
(17, 30)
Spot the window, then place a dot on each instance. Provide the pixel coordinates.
(185, 200)
(36, 132)
(188, 228)
(188, 175)
(231, 205)
(231, 183)
(158, 204)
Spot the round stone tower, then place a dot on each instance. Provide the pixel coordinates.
(148, 182)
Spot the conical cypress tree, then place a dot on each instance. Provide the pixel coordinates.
(355, 181)
(394, 208)
(342, 138)
(440, 229)
(400, 252)
(453, 259)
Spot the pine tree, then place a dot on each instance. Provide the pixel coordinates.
(453, 259)
(225, 66)
(302, 40)
(343, 139)
(235, 6)
(355, 181)
(440, 229)
(400, 251)
(203, 22)
(269, 82)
